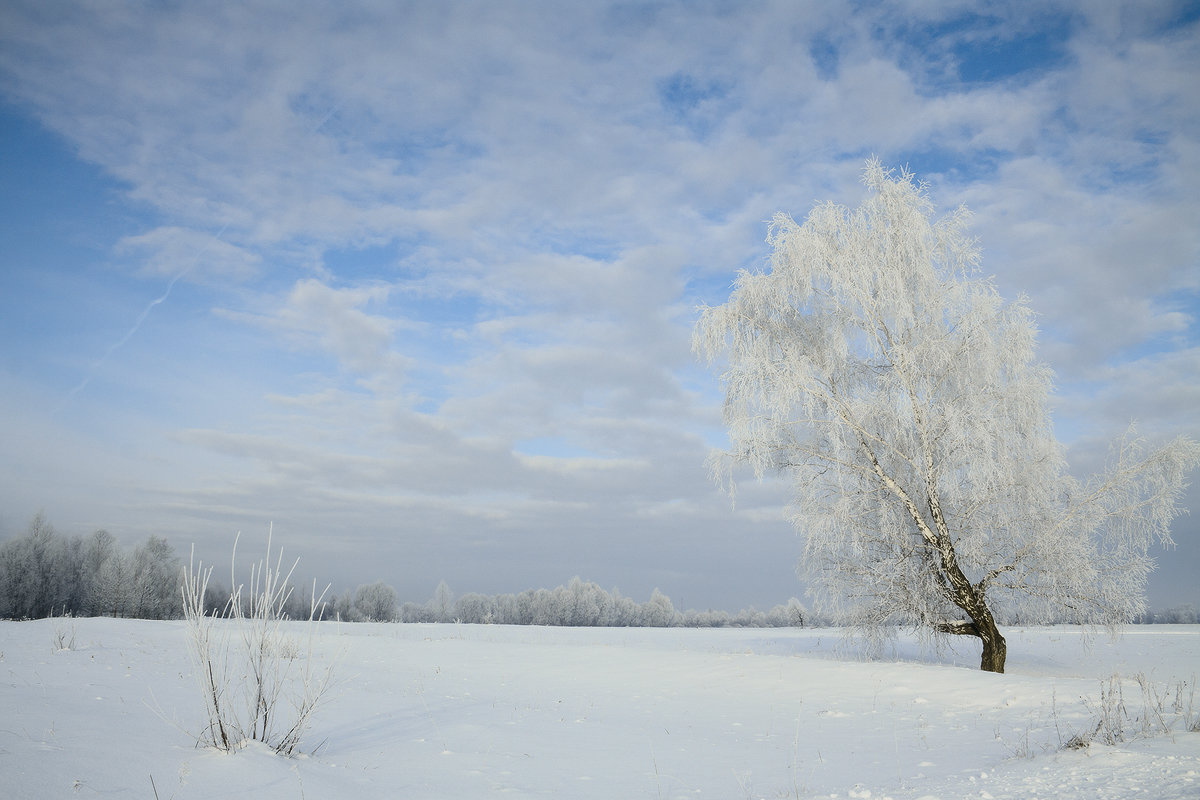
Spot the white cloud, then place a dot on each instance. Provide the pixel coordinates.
(1159, 391)
(319, 317)
(196, 256)
(553, 190)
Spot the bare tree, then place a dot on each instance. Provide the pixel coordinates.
(901, 394)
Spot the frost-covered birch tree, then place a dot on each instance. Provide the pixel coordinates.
(901, 394)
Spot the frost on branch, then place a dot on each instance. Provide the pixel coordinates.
(873, 365)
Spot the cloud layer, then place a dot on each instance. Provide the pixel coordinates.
(438, 263)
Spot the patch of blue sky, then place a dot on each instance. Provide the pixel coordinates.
(1122, 173)
(445, 315)
(349, 125)
(1186, 13)
(857, 156)
(589, 244)
(957, 164)
(975, 48)
(999, 58)
(824, 55)
(318, 108)
(372, 262)
(1153, 137)
(62, 295)
(697, 378)
(682, 92)
(1140, 163)
(55, 209)
(429, 389)
(1068, 428)
(1185, 302)
(633, 17)
(1049, 332)
(179, 363)
(413, 294)
(696, 103)
(714, 288)
(410, 152)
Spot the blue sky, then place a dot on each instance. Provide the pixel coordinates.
(416, 281)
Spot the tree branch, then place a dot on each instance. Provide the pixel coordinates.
(957, 628)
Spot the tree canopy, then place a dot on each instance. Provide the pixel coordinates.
(902, 395)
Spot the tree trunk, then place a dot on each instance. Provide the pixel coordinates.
(961, 592)
(981, 623)
(994, 648)
(983, 627)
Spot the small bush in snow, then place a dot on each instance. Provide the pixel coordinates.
(1159, 711)
(257, 682)
(64, 634)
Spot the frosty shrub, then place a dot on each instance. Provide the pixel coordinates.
(902, 395)
(376, 602)
(64, 634)
(1151, 711)
(256, 680)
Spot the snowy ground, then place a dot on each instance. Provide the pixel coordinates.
(456, 711)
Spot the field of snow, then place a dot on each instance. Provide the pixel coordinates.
(460, 711)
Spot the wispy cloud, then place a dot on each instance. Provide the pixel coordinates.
(461, 243)
(315, 315)
(185, 253)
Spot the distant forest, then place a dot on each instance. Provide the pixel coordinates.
(45, 574)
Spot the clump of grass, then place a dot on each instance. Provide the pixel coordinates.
(64, 633)
(1152, 711)
(257, 682)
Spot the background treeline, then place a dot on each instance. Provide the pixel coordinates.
(44, 573)
(578, 604)
(1186, 614)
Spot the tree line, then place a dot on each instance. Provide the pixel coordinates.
(44, 573)
(580, 603)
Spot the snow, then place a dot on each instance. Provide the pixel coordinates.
(462, 711)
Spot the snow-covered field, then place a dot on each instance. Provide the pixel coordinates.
(458, 711)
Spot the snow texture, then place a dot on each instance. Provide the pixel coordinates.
(101, 707)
